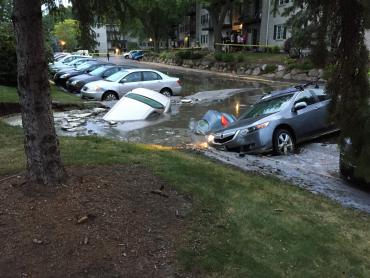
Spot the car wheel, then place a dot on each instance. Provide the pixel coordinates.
(109, 96)
(283, 142)
(166, 92)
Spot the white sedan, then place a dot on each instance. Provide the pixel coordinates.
(139, 104)
(118, 84)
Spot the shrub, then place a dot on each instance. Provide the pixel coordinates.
(218, 56)
(270, 68)
(300, 65)
(240, 57)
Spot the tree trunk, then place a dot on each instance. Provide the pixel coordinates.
(218, 13)
(44, 165)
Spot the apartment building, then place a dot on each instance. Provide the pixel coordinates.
(109, 38)
(254, 21)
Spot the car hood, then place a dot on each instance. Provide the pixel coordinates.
(102, 84)
(86, 78)
(239, 124)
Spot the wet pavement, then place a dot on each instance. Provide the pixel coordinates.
(314, 168)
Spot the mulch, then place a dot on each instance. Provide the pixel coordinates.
(107, 221)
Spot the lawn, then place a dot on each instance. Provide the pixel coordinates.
(9, 95)
(242, 225)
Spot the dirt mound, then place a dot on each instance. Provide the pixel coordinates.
(106, 222)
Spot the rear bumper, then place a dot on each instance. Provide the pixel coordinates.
(176, 91)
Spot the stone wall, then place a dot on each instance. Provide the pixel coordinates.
(278, 72)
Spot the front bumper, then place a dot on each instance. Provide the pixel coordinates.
(76, 88)
(93, 95)
(259, 141)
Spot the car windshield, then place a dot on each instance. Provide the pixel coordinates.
(98, 71)
(116, 76)
(267, 107)
(84, 66)
(145, 100)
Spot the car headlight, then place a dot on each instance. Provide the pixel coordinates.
(74, 83)
(254, 128)
(65, 75)
(210, 138)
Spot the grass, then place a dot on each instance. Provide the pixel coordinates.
(242, 225)
(9, 95)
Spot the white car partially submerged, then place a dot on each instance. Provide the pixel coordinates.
(139, 104)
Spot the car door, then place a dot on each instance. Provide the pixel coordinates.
(323, 110)
(152, 80)
(131, 81)
(305, 121)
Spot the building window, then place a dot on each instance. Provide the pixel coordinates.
(204, 19)
(282, 2)
(280, 32)
(204, 39)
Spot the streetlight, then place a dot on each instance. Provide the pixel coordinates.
(62, 43)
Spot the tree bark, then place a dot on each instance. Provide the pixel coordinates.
(44, 165)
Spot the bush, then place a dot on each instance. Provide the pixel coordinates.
(240, 57)
(270, 68)
(8, 57)
(275, 49)
(305, 64)
(225, 57)
(188, 54)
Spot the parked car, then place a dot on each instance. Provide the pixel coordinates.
(347, 165)
(75, 84)
(137, 55)
(61, 77)
(139, 104)
(54, 67)
(134, 54)
(278, 122)
(118, 84)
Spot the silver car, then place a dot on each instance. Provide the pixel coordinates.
(122, 82)
(278, 122)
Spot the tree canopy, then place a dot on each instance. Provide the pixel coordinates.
(67, 32)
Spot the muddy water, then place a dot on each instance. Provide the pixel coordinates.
(173, 129)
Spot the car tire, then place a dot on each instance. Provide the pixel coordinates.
(109, 96)
(166, 92)
(283, 142)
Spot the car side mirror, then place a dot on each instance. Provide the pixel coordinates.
(300, 105)
(123, 81)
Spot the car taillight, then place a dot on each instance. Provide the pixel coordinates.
(224, 121)
(179, 82)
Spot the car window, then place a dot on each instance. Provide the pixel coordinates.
(305, 96)
(67, 60)
(266, 107)
(110, 72)
(98, 71)
(321, 95)
(116, 76)
(148, 101)
(150, 75)
(133, 77)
